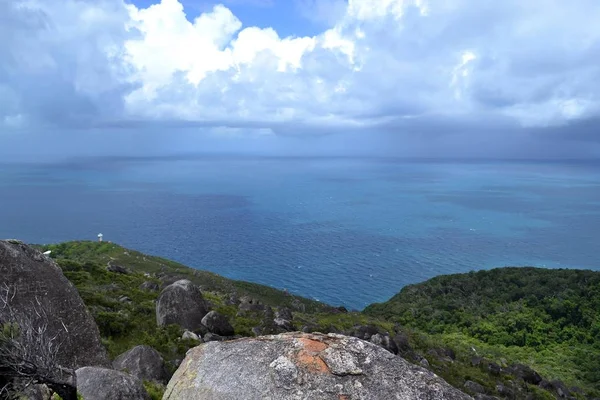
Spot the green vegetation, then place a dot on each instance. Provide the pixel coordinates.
(125, 313)
(546, 319)
(155, 390)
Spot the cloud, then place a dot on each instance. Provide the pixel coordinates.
(381, 65)
(62, 62)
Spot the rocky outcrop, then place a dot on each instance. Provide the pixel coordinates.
(218, 324)
(144, 363)
(117, 269)
(107, 384)
(150, 286)
(181, 303)
(525, 373)
(37, 291)
(187, 335)
(474, 387)
(385, 341)
(302, 366)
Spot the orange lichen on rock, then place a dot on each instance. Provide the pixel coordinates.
(313, 346)
(309, 358)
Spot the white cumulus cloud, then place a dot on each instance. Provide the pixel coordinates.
(380, 64)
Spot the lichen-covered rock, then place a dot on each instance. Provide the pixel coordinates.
(107, 384)
(181, 303)
(218, 324)
(144, 363)
(38, 291)
(302, 366)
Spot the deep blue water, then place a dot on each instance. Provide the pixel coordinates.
(344, 231)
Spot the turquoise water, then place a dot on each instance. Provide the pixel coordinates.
(344, 231)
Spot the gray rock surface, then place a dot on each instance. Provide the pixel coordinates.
(525, 373)
(181, 303)
(37, 392)
(284, 324)
(187, 335)
(218, 324)
(107, 384)
(474, 387)
(302, 366)
(144, 363)
(150, 286)
(39, 291)
(284, 313)
(117, 269)
(385, 341)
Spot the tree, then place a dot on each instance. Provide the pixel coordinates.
(28, 352)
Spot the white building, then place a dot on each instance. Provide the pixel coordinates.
(99, 237)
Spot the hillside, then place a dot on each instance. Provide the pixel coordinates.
(441, 324)
(546, 318)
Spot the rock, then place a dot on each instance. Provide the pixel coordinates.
(363, 332)
(424, 363)
(125, 299)
(525, 373)
(144, 363)
(257, 331)
(557, 386)
(442, 354)
(40, 294)
(181, 303)
(217, 323)
(150, 286)
(302, 366)
(480, 396)
(505, 391)
(476, 361)
(494, 368)
(385, 341)
(248, 300)
(212, 337)
(187, 335)
(298, 305)
(232, 301)
(107, 384)
(284, 313)
(401, 340)
(37, 392)
(167, 280)
(251, 307)
(448, 352)
(284, 325)
(309, 328)
(474, 387)
(174, 364)
(117, 269)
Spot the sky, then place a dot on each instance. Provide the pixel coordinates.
(406, 78)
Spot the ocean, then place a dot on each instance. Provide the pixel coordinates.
(344, 231)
